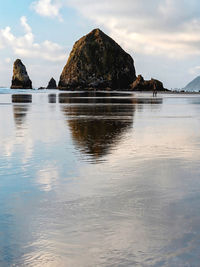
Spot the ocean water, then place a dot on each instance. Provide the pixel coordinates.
(99, 179)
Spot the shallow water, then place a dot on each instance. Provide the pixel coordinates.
(103, 179)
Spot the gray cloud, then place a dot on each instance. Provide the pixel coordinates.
(165, 27)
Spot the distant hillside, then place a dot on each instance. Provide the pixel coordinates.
(193, 85)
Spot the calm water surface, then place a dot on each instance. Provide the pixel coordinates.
(99, 179)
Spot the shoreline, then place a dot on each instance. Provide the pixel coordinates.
(4, 90)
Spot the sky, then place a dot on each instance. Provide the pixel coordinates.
(162, 36)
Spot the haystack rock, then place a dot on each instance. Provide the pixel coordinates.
(141, 85)
(20, 79)
(97, 62)
(52, 84)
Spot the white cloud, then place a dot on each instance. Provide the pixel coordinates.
(48, 8)
(7, 35)
(25, 46)
(25, 24)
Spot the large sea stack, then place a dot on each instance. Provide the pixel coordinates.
(97, 62)
(52, 84)
(20, 79)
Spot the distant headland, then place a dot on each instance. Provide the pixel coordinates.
(96, 62)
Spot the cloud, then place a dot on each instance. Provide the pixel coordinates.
(25, 46)
(25, 24)
(195, 70)
(155, 27)
(48, 8)
(8, 60)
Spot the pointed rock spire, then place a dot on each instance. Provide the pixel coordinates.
(20, 79)
(52, 84)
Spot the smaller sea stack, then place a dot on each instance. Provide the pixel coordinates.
(52, 84)
(141, 85)
(20, 79)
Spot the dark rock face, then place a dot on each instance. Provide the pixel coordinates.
(97, 62)
(52, 84)
(141, 85)
(20, 79)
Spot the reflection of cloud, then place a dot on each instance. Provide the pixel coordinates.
(164, 137)
(28, 150)
(47, 177)
(17, 138)
(9, 147)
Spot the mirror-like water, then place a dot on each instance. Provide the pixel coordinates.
(99, 179)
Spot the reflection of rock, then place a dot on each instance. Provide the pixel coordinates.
(20, 98)
(20, 79)
(85, 94)
(141, 85)
(106, 98)
(95, 98)
(52, 84)
(152, 101)
(97, 61)
(20, 110)
(52, 98)
(96, 129)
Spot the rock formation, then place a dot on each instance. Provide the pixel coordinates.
(141, 85)
(52, 84)
(97, 62)
(194, 85)
(20, 79)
